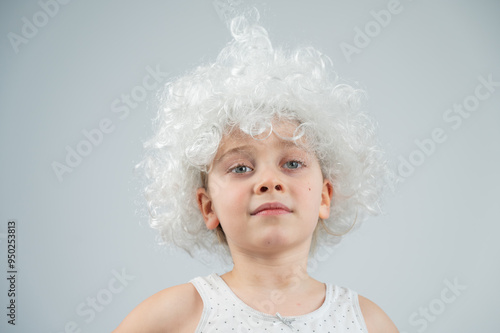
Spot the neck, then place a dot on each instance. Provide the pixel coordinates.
(271, 273)
(270, 283)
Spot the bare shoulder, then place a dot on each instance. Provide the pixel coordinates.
(175, 309)
(377, 321)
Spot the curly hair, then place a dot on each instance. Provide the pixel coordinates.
(250, 85)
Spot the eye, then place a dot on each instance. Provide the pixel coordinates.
(240, 169)
(293, 164)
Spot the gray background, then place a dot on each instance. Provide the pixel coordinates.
(75, 235)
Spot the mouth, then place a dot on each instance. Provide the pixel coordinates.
(272, 208)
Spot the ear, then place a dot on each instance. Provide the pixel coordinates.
(326, 199)
(206, 208)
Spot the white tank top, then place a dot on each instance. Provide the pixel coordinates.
(224, 312)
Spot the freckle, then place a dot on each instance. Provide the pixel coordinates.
(309, 188)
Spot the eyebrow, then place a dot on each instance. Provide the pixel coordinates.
(235, 150)
(249, 148)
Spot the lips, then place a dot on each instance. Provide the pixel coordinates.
(272, 208)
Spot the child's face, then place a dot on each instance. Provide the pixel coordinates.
(266, 194)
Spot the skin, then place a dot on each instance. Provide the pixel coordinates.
(269, 247)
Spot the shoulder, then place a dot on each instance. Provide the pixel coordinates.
(377, 321)
(176, 309)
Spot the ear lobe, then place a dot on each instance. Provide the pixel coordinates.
(326, 199)
(206, 208)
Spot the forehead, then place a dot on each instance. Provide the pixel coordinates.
(279, 137)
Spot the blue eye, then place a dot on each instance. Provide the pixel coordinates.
(241, 169)
(293, 165)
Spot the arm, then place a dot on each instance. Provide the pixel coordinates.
(175, 309)
(377, 321)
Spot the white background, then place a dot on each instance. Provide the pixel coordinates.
(75, 234)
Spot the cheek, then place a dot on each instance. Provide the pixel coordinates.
(217, 186)
(311, 187)
(310, 193)
(229, 199)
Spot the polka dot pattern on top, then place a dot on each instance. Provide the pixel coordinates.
(224, 312)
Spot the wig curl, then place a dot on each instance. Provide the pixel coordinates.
(250, 85)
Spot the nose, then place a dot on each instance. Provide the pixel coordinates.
(263, 188)
(269, 181)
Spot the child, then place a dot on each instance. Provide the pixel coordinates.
(262, 156)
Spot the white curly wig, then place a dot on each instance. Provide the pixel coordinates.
(250, 85)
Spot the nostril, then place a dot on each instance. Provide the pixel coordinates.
(278, 187)
(263, 189)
